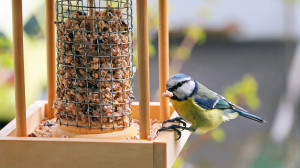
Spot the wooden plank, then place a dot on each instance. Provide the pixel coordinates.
(75, 154)
(163, 49)
(174, 146)
(71, 140)
(19, 67)
(143, 69)
(120, 134)
(36, 112)
(34, 116)
(160, 154)
(51, 67)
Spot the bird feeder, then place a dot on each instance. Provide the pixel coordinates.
(90, 90)
(94, 66)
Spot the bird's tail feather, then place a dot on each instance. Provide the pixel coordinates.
(250, 116)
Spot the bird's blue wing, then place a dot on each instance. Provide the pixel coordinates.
(217, 102)
(222, 104)
(204, 103)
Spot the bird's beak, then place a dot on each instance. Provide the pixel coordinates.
(167, 94)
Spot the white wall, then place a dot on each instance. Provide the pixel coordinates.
(256, 19)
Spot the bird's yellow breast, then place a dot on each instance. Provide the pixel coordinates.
(202, 119)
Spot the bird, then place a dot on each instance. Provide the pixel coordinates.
(203, 108)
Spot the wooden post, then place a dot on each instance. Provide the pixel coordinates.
(143, 69)
(51, 76)
(91, 10)
(163, 48)
(91, 15)
(19, 67)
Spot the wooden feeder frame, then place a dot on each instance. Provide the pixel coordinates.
(18, 150)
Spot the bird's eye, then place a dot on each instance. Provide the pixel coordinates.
(179, 84)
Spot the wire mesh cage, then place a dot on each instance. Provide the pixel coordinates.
(94, 63)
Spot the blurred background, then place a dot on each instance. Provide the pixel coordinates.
(247, 50)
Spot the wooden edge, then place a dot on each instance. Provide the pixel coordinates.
(173, 146)
(81, 130)
(35, 114)
(33, 152)
(128, 132)
(38, 139)
(159, 154)
(74, 131)
(41, 106)
(154, 110)
(165, 147)
(72, 128)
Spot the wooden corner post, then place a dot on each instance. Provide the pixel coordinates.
(163, 48)
(19, 67)
(143, 68)
(51, 76)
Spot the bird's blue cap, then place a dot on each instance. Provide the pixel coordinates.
(179, 76)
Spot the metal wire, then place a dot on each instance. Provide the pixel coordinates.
(94, 63)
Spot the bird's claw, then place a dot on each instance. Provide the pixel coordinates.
(177, 119)
(169, 128)
(175, 128)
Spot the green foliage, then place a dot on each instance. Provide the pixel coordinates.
(179, 162)
(218, 135)
(196, 33)
(291, 1)
(181, 53)
(6, 87)
(153, 23)
(193, 35)
(244, 92)
(135, 57)
(5, 44)
(153, 16)
(115, 4)
(272, 155)
(152, 51)
(6, 60)
(7, 102)
(35, 76)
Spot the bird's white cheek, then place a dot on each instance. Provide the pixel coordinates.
(188, 88)
(180, 94)
(184, 91)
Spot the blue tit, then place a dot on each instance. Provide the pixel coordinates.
(199, 106)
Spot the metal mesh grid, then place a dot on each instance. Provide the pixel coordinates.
(94, 63)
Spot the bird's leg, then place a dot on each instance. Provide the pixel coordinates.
(177, 119)
(175, 128)
(192, 128)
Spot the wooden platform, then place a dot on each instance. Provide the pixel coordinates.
(33, 152)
